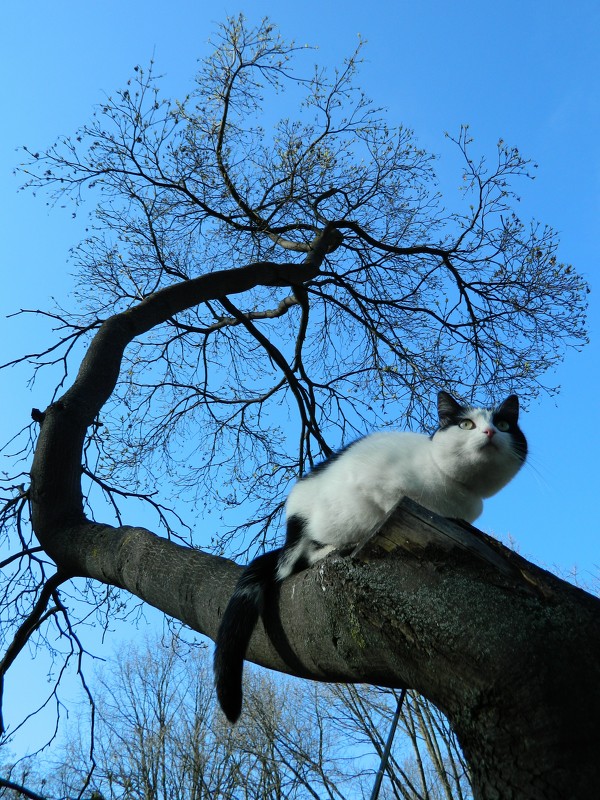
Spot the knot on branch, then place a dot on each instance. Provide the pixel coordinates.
(327, 241)
(37, 415)
(333, 240)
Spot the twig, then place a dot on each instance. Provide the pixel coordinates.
(31, 623)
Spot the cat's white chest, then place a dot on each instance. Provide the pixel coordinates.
(354, 494)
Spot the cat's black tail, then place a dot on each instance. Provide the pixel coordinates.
(235, 630)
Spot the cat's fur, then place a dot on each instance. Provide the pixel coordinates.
(472, 455)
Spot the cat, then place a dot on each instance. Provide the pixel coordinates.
(471, 456)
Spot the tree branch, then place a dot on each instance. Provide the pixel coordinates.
(16, 787)
(27, 627)
(56, 470)
(393, 616)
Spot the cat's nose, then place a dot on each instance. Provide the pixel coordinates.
(489, 432)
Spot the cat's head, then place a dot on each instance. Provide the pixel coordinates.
(482, 448)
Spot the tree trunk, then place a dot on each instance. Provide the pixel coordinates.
(509, 652)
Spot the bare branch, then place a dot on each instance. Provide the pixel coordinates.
(37, 616)
(16, 787)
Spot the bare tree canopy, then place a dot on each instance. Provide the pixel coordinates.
(254, 289)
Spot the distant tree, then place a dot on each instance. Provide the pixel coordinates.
(426, 760)
(252, 292)
(159, 736)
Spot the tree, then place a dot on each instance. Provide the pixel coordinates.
(159, 735)
(425, 761)
(249, 297)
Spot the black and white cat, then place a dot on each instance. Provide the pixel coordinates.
(472, 455)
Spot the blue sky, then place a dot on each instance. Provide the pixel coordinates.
(526, 72)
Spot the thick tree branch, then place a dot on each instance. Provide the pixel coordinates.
(426, 604)
(56, 470)
(16, 787)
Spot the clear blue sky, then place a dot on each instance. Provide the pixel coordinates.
(526, 72)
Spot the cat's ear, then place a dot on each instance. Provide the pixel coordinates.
(448, 408)
(509, 409)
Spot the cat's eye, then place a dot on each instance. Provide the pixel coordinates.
(466, 425)
(503, 425)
